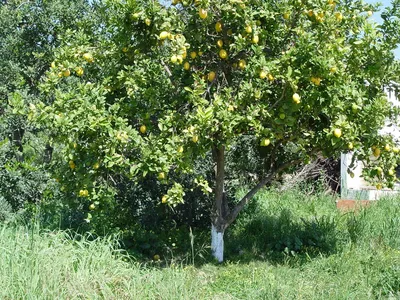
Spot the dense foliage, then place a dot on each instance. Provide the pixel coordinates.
(138, 106)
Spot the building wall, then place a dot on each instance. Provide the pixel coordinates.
(357, 188)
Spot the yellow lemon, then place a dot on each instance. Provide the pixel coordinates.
(211, 76)
(296, 98)
(88, 57)
(203, 13)
(66, 73)
(265, 142)
(223, 54)
(270, 77)
(337, 132)
(71, 164)
(164, 35)
(218, 27)
(350, 146)
(376, 152)
(143, 129)
(186, 66)
(79, 71)
(242, 64)
(339, 16)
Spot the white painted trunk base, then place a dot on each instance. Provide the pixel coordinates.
(217, 244)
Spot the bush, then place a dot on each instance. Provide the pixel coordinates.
(5, 210)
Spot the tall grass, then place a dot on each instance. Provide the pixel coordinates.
(284, 246)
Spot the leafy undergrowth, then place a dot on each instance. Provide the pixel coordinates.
(284, 246)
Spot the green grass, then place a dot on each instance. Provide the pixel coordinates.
(284, 246)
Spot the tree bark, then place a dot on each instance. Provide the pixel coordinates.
(220, 209)
(217, 243)
(221, 216)
(238, 208)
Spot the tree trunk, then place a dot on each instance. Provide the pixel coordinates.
(217, 243)
(221, 215)
(220, 207)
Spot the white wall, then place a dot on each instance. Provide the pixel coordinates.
(357, 188)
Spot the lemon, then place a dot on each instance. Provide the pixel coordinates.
(174, 59)
(337, 132)
(223, 54)
(88, 57)
(376, 152)
(350, 146)
(211, 76)
(265, 142)
(66, 73)
(296, 98)
(242, 64)
(255, 39)
(143, 129)
(79, 71)
(218, 27)
(339, 16)
(263, 74)
(186, 66)
(203, 13)
(164, 35)
(72, 164)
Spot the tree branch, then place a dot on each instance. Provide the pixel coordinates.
(238, 208)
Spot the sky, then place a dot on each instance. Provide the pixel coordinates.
(376, 16)
(378, 19)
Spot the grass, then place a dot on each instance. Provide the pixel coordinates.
(284, 246)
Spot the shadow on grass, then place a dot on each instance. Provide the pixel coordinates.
(279, 238)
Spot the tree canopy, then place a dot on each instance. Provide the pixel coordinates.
(152, 88)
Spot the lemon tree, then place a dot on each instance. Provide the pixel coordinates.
(157, 86)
